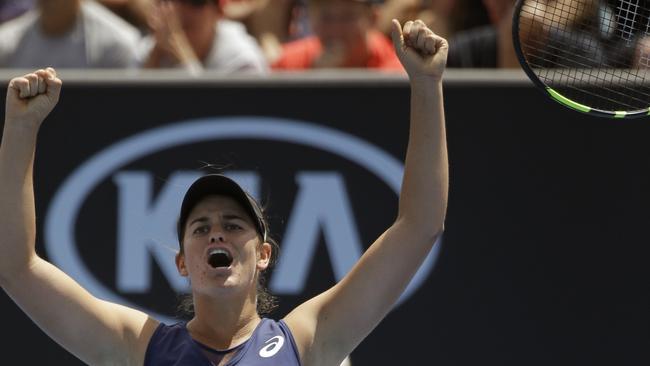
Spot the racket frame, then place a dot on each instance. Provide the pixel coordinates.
(554, 94)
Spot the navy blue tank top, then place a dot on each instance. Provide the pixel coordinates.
(270, 344)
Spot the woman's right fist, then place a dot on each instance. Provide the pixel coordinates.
(30, 98)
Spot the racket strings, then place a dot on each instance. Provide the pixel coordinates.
(581, 91)
(586, 50)
(567, 74)
(633, 22)
(627, 14)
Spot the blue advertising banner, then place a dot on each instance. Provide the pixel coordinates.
(543, 260)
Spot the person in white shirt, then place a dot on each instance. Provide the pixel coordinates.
(190, 34)
(68, 34)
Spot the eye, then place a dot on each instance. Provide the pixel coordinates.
(231, 227)
(201, 230)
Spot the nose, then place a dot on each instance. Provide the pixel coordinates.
(217, 238)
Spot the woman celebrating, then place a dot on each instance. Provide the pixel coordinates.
(224, 248)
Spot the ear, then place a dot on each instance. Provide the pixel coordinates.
(180, 265)
(264, 256)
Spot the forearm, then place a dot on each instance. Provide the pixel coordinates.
(423, 200)
(17, 225)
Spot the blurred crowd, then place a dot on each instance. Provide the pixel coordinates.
(252, 36)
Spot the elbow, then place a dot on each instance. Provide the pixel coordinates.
(431, 236)
(424, 220)
(5, 278)
(438, 233)
(12, 272)
(425, 231)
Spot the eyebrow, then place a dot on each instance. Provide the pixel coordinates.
(233, 217)
(203, 219)
(200, 219)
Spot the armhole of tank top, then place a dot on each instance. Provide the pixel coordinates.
(285, 328)
(154, 336)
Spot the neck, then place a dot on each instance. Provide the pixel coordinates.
(203, 46)
(221, 324)
(58, 17)
(358, 57)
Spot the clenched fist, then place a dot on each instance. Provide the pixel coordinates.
(422, 53)
(32, 97)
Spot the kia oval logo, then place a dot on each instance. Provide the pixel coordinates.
(288, 277)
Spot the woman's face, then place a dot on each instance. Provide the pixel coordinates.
(223, 253)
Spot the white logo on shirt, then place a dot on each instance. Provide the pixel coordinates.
(272, 347)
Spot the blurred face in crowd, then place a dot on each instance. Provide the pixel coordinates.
(58, 16)
(443, 7)
(341, 23)
(499, 9)
(197, 17)
(54, 4)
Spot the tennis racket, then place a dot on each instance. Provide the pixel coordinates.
(592, 56)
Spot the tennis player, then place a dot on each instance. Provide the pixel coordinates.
(224, 248)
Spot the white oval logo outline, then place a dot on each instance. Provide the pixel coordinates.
(272, 346)
(60, 243)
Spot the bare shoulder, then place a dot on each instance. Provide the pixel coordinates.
(142, 338)
(310, 324)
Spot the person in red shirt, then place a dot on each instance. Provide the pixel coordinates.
(345, 36)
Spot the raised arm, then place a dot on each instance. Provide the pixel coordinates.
(95, 331)
(329, 326)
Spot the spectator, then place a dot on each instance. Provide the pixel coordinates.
(626, 40)
(190, 34)
(491, 46)
(439, 15)
(345, 36)
(488, 46)
(68, 34)
(642, 53)
(10, 9)
(271, 22)
(133, 11)
(400, 10)
(444, 17)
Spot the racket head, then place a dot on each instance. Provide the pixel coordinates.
(587, 54)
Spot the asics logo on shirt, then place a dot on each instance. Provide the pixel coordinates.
(272, 346)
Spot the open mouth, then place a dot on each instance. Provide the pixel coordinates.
(219, 258)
